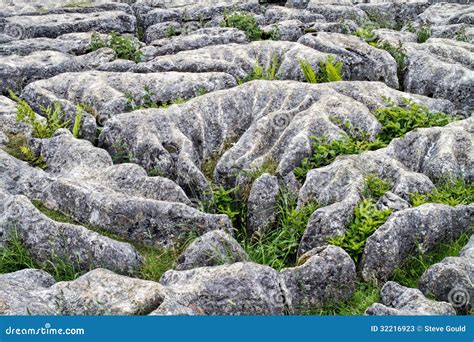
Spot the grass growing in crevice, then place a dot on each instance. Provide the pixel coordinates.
(15, 257)
(365, 294)
(396, 122)
(278, 246)
(156, 260)
(410, 272)
(450, 191)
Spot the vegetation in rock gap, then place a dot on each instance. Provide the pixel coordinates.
(450, 191)
(396, 122)
(156, 261)
(367, 218)
(245, 22)
(399, 54)
(17, 147)
(423, 34)
(124, 47)
(278, 246)
(15, 257)
(77, 122)
(364, 295)
(259, 73)
(409, 273)
(329, 70)
(461, 35)
(147, 101)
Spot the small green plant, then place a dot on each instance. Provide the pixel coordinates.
(121, 153)
(450, 191)
(147, 101)
(278, 247)
(31, 158)
(275, 33)
(325, 152)
(397, 121)
(375, 187)
(399, 54)
(409, 27)
(225, 201)
(461, 35)
(423, 34)
(171, 32)
(245, 22)
(329, 70)
(124, 47)
(367, 218)
(42, 127)
(77, 121)
(258, 73)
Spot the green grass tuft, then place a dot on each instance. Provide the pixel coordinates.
(243, 21)
(451, 192)
(124, 47)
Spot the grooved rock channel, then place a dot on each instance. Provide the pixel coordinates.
(236, 157)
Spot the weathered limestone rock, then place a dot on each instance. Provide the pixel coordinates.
(277, 14)
(238, 59)
(16, 71)
(287, 30)
(107, 93)
(48, 240)
(337, 11)
(18, 293)
(361, 61)
(211, 249)
(408, 230)
(405, 163)
(328, 275)
(394, 38)
(237, 289)
(99, 292)
(399, 300)
(393, 14)
(441, 68)
(452, 279)
(197, 39)
(391, 201)
(446, 13)
(54, 25)
(8, 122)
(262, 204)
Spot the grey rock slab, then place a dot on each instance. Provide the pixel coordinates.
(394, 38)
(238, 59)
(441, 68)
(18, 293)
(452, 279)
(236, 289)
(398, 300)
(327, 276)
(409, 230)
(346, 26)
(16, 71)
(262, 204)
(48, 240)
(8, 122)
(393, 202)
(54, 25)
(107, 94)
(393, 14)
(277, 14)
(197, 39)
(211, 249)
(361, 61)
(335, 12)
(446, 13)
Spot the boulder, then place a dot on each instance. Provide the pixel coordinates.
(211, 249)
(237, 289)
(50, 241)
(262, 204)
(398, 300)
(411, 230)
(327, 275)
(452, 279)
